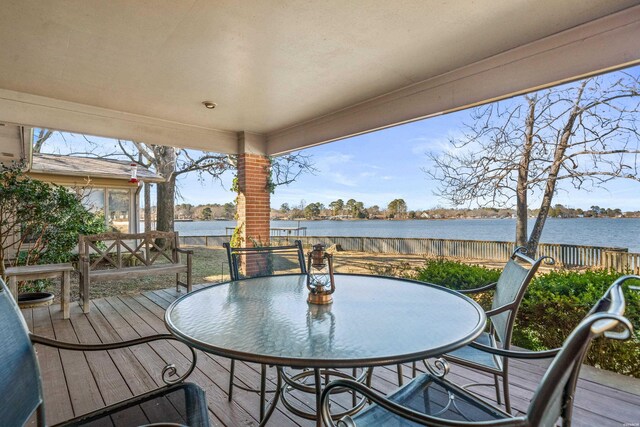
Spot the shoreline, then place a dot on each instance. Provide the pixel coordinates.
(599, 232)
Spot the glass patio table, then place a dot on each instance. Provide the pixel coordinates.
(373, 321)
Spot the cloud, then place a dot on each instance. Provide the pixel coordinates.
(435, 144)
(330, 160)
(421, 147)
(340, 178)
(427, 145)
(367, 175)
(346, 169)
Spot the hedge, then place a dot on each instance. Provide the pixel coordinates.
(553, 305)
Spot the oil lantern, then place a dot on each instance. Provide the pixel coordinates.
(320, 281)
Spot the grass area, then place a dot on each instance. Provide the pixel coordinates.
(207, 268)
(551, 313)
(210, 266)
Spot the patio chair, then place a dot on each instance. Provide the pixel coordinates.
(21, 384)
(245, 263)
(508, 293)
(430, 399)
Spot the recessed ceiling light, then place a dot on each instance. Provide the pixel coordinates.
(210, 105)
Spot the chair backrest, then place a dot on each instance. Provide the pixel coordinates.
(20, 384)
(554, 396)
(245, 263)
(510, 289)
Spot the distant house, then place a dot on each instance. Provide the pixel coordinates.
(104, 184)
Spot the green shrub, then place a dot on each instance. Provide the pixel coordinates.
(554, 304)
(456, 275)
(40, 222)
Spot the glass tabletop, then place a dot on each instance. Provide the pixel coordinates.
(372, 321)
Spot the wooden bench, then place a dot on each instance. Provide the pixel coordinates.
(43, 271)
(114, 256)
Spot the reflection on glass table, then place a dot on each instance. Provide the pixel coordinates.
(372, 321)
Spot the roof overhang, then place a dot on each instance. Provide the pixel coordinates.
(15, 145)
(89, 167)
(296, 75)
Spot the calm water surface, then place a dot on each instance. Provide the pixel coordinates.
(613, 232)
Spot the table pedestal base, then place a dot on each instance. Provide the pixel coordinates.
(312, 381)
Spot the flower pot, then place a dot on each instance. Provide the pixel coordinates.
(35, 299)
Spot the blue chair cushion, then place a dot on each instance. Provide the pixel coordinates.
(432, 396)
(182, 404)
(473, 356)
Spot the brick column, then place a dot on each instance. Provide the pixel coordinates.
(254, 199)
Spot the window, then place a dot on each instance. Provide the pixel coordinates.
(119, 210)
(113, 204)
(93, 200)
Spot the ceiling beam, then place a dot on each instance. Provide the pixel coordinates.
(41, 112)
(601, 45)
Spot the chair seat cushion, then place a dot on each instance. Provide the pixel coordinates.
(183, 404)
(432, 396)
(470, 356)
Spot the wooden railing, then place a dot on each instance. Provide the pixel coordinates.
(618, 259)
(210, 241)
(622, 261)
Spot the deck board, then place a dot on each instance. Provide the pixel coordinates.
(136, 377)
(75, 383)
(55, 386)
(86, 396)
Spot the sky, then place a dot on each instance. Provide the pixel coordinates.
(374, 168)
(378, 167)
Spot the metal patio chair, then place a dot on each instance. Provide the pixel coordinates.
(245, 263)
(176, 403)
(430, 399)
(508, 293)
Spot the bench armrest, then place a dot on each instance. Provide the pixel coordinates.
(185, 251)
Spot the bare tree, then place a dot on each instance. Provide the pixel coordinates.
(40, 138)
(585, 134)
(171, 162)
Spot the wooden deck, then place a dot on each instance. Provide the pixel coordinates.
(76, 382)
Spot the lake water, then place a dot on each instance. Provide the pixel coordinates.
(610, 232)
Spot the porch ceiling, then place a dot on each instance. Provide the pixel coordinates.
(284, 69)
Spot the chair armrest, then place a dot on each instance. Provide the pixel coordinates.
(397, 409)
(478, 290)
(167, 372)
(185, 251)
(499, 310)
(516, 354)
(38, 339)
